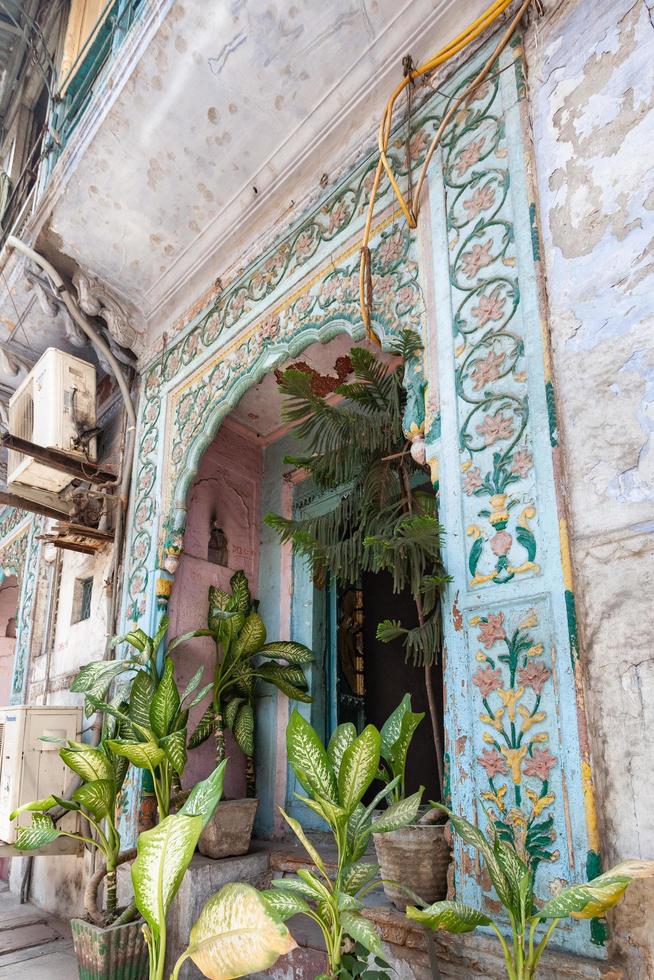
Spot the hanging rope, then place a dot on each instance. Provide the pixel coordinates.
(410, 208)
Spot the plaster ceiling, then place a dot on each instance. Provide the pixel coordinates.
(260, 407)
(224, 119)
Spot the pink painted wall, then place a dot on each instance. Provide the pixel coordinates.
(228, 485)
(8, 610)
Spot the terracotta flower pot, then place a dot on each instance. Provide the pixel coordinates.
(115, 953)
(229, 831)
(417, 856)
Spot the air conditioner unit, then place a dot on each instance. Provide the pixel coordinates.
(54, 404)
(31, 769)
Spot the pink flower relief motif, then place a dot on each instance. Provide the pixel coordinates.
(270, 326)
(486, 370)
(478, 257)
(304, 245)
(487, 680)
(390, 250)
(405, 296)
(489, 308)
(501, 543)
(383, 285)
(492, 762)
(495, 427)
(338, 216)
(534, 675)
(540, 763)
(521, 463)
(472, 480)
(479, 93)
(492, 630)
(417, 144)
(469, 156)
(482, 199)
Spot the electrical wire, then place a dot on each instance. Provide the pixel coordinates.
(410, 208)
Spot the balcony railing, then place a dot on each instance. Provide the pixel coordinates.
(87, 73)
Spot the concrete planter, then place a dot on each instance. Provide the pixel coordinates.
(418, 856)
(229, 831)
(116, 953)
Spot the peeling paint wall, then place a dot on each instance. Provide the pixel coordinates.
(591, 75)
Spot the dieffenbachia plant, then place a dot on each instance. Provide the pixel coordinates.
(102, 773)
(396, 735)
(243, 657)
(151, 715)
(236, 933)
(336, 779)
(514, 884)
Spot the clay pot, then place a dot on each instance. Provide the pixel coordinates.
(418, 856)
(229, 831)
(116, 953)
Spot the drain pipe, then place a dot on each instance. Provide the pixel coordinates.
(97, 341)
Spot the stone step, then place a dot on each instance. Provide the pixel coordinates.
(24, 936)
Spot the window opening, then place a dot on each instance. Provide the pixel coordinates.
(82, 594)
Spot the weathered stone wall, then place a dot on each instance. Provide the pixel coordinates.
(591, 78)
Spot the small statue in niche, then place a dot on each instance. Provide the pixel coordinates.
(218, 549)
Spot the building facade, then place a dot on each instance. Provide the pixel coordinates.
(209, 209)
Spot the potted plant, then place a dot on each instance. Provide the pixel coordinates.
(150, 714)
(236, 933)
(335, 780)
(532, 922)
(107, 942)
(243, 657)
(401, 853)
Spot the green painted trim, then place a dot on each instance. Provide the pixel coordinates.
(551, 414)
(571, 610)
(598, 927)
(533, 224)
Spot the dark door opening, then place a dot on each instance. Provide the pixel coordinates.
(372, 677)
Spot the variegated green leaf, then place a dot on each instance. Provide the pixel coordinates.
(281, 678)
(244, 729)
(174, 745)
(40, 833)
(143, 755)
(342, 737)
(140, 699)
(230, 711)
(165, 702)
(390, 730)
(400, 749)
(157, 639)
(96, 678)
(87, 762)
(294, 885)
(193, 683)
(204, 796)
(333, 814)
(253, 634)
(35, 806)
(595, 898)
(284, 903)
(358, 767)
(240, 592)
(191, 635)
(358, 833)
(163, 855)
(237, 935)
(200, 696)
(203, 729)
(293, 653)
(473, 836)
(98, 796)
(358, 876)
(308, 758)
(296, 827)
(362, 931)
(450, 916)
(398, 814)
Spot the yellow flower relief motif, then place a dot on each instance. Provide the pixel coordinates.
(487, 737)
(530, 620)
(495, 722)
(475, 620)
(481, 656)
(540, 803)
(496, 798)
(540, 737)
(514, 758)
(535, 651)
(530, 720)
(510, 698)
